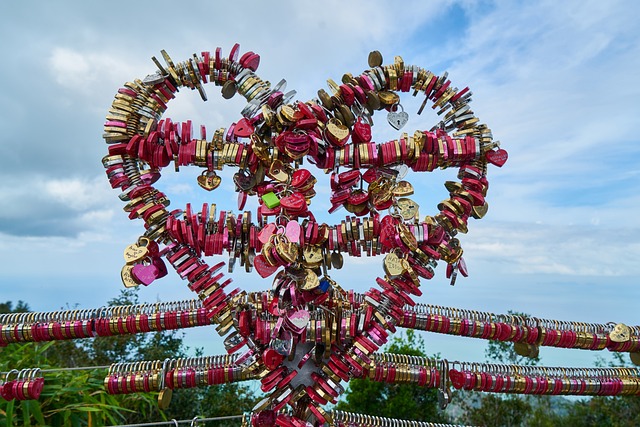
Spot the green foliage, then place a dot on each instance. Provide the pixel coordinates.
(498, 411)
(618, 411)
(79, 398)
(128, 348)
(489, 409)
(405, 401)
(503, 352)
(67, 398)
(544, 411)
(7, 307)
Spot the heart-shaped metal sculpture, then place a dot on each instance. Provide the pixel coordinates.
(305, 335)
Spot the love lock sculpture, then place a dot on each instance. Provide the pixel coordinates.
(306, 335)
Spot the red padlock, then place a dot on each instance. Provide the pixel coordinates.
(265, 418)
(272, 359)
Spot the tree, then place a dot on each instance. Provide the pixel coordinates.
(7, 307)
(403, 401)
(78, 398)
(617, 411)
(499, 411)
(489, 409)
(69, 397)
(503, 352)
(227, 399)
(128, 348)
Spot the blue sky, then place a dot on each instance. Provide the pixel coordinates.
(555, 81)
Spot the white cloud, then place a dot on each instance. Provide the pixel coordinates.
(554, 81)
(90, 72)
(78, 194)
(41, 206)
(70, 67)
(580, 250)
(95, 217)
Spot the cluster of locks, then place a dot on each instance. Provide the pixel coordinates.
(268, 145)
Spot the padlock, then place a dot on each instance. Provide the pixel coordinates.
(271, 200)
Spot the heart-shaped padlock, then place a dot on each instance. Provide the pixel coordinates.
(397, 119)
(337, 133)
(209, 180)
(620, 333)
(145, 272)
(497, 157)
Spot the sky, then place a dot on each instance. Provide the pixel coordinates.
(555, 81)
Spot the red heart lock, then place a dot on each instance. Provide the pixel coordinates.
(244, 323)
(144, 274)
(449, 272)
(371, 175)
(6, 390)
(263, 268)
(298, 150)
(361, 131)
(272, 359)
(358, 197)
(149, 178)
(388, 231)
(349, 178)
(333, 181)
(266, 211)
(457, 378)
(279, 140)
(250, 60)
(296, 141)
(497, 157)
(472, 184)
(294, 202)
(160, 266)
(307, 124)
(462, 266)
(243, 128)
(302, 180)
(242, 200)
(340, 196)
(35, 388)
(266, 418)
(347, 94)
